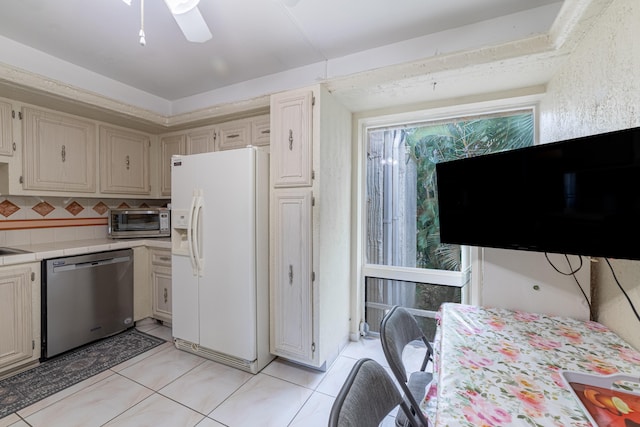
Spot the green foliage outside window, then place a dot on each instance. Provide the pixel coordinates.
(428, 145)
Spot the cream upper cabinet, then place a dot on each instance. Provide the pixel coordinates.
(261, 130)
(19, 317)
(194, 141)
(291, 130)
(58, 152)
(124, 161)
(234, 134)
(200, 141)
(6, 129)
(169, 146)
(310, 226)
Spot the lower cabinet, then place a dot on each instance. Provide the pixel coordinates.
(161, 284)
(19, 317)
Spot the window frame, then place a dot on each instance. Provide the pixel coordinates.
(467, 278)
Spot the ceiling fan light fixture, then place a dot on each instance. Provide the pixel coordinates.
(193, 26)
(179, 7)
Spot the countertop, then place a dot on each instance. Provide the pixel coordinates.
(39, 252)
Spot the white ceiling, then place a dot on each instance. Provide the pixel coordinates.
(254, 38)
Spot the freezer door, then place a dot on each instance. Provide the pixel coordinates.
(184, 284)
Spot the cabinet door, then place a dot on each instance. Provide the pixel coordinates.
(161, 285)
(261, 130)
(169, 146)
(234, 134)
(291, 122)
(292, 334)
(200, 141)
(124, 161)
(6, 129)
(16, 328)
(59, 152)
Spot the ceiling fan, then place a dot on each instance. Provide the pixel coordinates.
(187, 16)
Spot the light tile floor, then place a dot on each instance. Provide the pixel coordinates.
(169, 387)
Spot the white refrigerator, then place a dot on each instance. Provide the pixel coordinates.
(220, 256)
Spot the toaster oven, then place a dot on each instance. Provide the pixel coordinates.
(139, 222)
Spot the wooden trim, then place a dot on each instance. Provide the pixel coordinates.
(24, 224)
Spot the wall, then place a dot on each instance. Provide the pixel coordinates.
(522, 280)
(598, 90)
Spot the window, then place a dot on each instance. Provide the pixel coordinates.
(405, 262)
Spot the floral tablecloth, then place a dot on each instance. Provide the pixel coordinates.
(496, 367)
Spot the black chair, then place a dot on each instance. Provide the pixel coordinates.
(397, 329)
(367, 396)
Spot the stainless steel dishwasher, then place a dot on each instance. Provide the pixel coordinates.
(85, 298)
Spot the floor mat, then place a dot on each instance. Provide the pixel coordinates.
(51, 376)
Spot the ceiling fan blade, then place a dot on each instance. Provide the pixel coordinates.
(193, 26)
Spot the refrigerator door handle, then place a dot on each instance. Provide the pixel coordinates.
(190, 227)
(197, 235)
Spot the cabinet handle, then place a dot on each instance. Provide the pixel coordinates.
(290, 274)
(127, 162)
(235, 135)
(165, 258)
(166, 295)
(290, 140)
(266, 132)
(64, 153)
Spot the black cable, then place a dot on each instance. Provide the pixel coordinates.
(573, 274)
(622, 289)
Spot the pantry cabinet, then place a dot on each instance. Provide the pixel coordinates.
(292, 272)
(292, 137)
(19, 317)
(58, 152)
(161, 284)
(310, 214)
(124, 161)
(6, 129)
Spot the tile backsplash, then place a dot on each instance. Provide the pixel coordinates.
(26, 220)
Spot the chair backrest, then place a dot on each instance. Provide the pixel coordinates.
(366, 397)
(397, 329)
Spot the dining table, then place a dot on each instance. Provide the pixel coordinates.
(500, 367)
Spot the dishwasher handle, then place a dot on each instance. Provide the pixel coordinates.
(90, 264)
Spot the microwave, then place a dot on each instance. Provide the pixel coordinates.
(139, 222)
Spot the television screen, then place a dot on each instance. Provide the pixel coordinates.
(579, 196)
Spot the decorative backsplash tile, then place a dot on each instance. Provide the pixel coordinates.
(43, 208)
(25, 212)
(100, 208)
(74, 208)
(7, 208)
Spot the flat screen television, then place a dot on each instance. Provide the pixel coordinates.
(580, 196)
